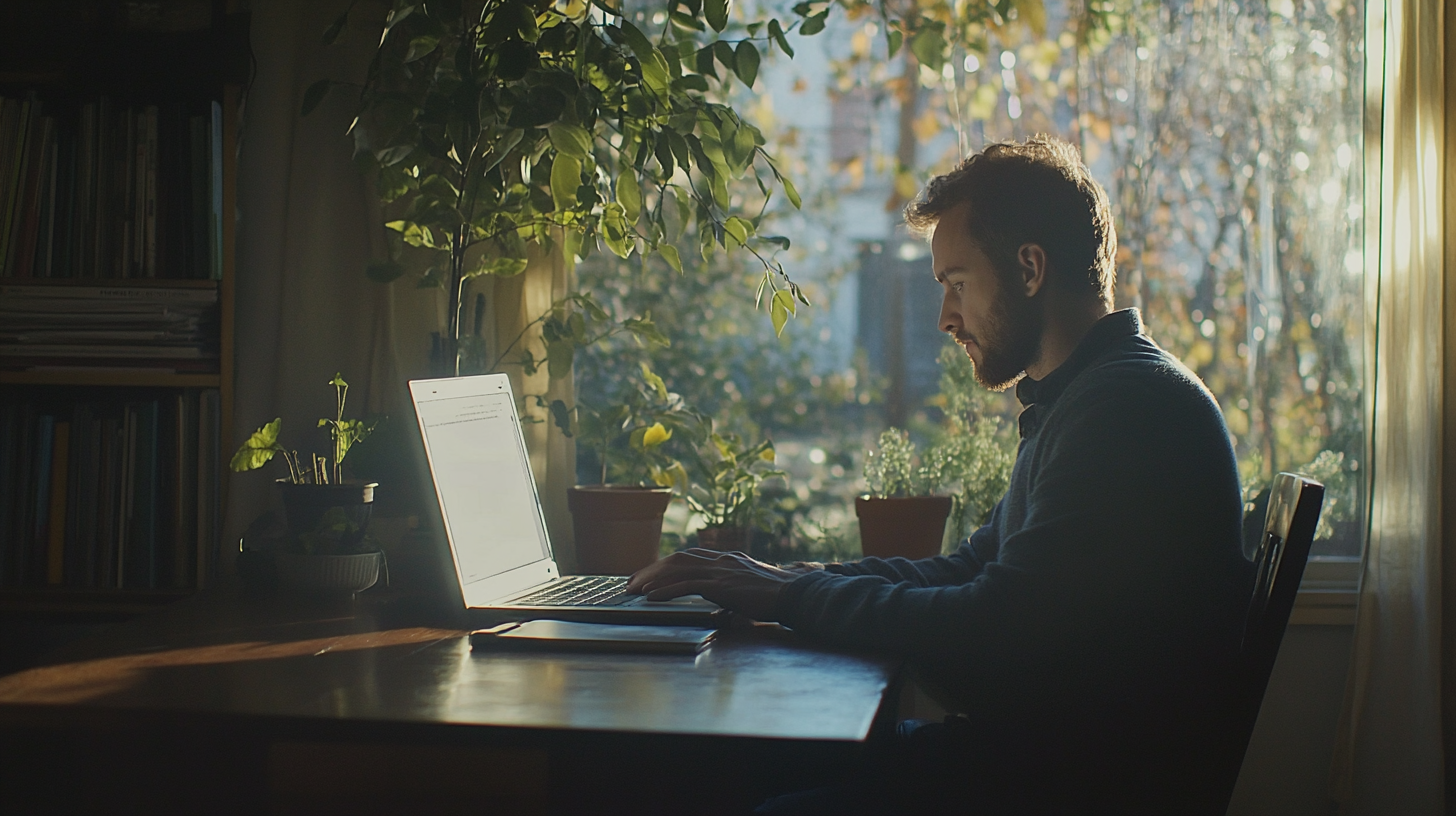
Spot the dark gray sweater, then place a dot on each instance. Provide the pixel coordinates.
(1107, 591)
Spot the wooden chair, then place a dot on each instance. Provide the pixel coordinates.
(1283, 550)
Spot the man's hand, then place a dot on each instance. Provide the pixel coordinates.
(729, 579)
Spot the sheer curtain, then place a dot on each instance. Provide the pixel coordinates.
(1389, 755)
(308, 225)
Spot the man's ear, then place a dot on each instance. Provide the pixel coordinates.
(1031, 261)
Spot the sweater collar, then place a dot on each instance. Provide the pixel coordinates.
(1103, 335)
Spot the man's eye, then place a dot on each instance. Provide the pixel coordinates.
(956, 287)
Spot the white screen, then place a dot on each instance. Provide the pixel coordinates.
(486, 491)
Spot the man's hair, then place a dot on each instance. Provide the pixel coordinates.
(1033, 192)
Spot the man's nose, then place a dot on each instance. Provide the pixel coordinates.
(950, 319)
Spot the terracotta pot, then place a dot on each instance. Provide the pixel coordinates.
(724, 539)
(618, 529)
(910, 527)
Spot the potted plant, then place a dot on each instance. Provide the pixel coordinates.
(969, 461)
(618, 520)
(726, 476)
(325, 546)
(899, 517)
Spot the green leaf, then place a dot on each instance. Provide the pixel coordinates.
(395, 18)
(419, 47)
(644, 329)
(777, 32)
(654, 382)
(383, 271)
(745, 62)
(259, 449)
(686, 22)
(616, 232)
(893, 40)
(331, 34)
(314, 95)
(738, 229)
(629, 194)
(565, 178)
(780, 307)
(498, 267)
(928, 46)
(654, 67)
(561, 416)
(724, 52)
(813, 25)
(434, 278)
(717, 13)
(338, 380)
(558, 358)
(791, 192)
(781, 241)
(669, 254)
(569, 139)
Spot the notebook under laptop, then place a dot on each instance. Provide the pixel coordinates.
(493, 519)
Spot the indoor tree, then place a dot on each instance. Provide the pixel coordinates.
(506, 127)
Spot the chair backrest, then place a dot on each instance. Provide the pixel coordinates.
(1283, 550)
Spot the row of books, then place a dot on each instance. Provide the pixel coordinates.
(105, 189)
(118, 493)
(53, 325)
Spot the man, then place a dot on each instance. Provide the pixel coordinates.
(1086, 632)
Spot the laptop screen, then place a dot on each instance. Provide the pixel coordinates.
(482, 476)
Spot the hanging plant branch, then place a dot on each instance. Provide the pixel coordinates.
(509, 124)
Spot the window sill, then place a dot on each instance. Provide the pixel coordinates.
(1328, 593)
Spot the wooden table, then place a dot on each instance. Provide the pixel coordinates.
(224, 702)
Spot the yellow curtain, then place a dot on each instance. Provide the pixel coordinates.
(512, 308)
(1389, 756)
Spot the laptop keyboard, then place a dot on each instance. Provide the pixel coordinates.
(581, 591)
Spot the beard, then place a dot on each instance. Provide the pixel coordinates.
(1010, 340)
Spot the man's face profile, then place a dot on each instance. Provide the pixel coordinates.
(985, 311)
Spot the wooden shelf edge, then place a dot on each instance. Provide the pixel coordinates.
(117, 378)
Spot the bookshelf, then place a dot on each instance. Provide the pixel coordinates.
(118, 127)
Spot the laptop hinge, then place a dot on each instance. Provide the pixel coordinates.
(496, 588)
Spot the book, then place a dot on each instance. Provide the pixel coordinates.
(56, 523)
(215, 188)
(209, 488)
(554, 635)
(17, 294)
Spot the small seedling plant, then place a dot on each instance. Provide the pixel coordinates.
(344, 434)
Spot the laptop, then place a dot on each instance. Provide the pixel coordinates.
(494, 524)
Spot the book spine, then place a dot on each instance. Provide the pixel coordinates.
(209, 464)
(125, 498)
(9, 134)
(106, 533)
(28, 223)
(45, 260)
(15, 187)
(56, 526)
(9, 481)
(65, 264)
(82, 240)
(199, 214)
(216, 190)
(143, 545)
(149, 197)
(32, 568)
(184, 535)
